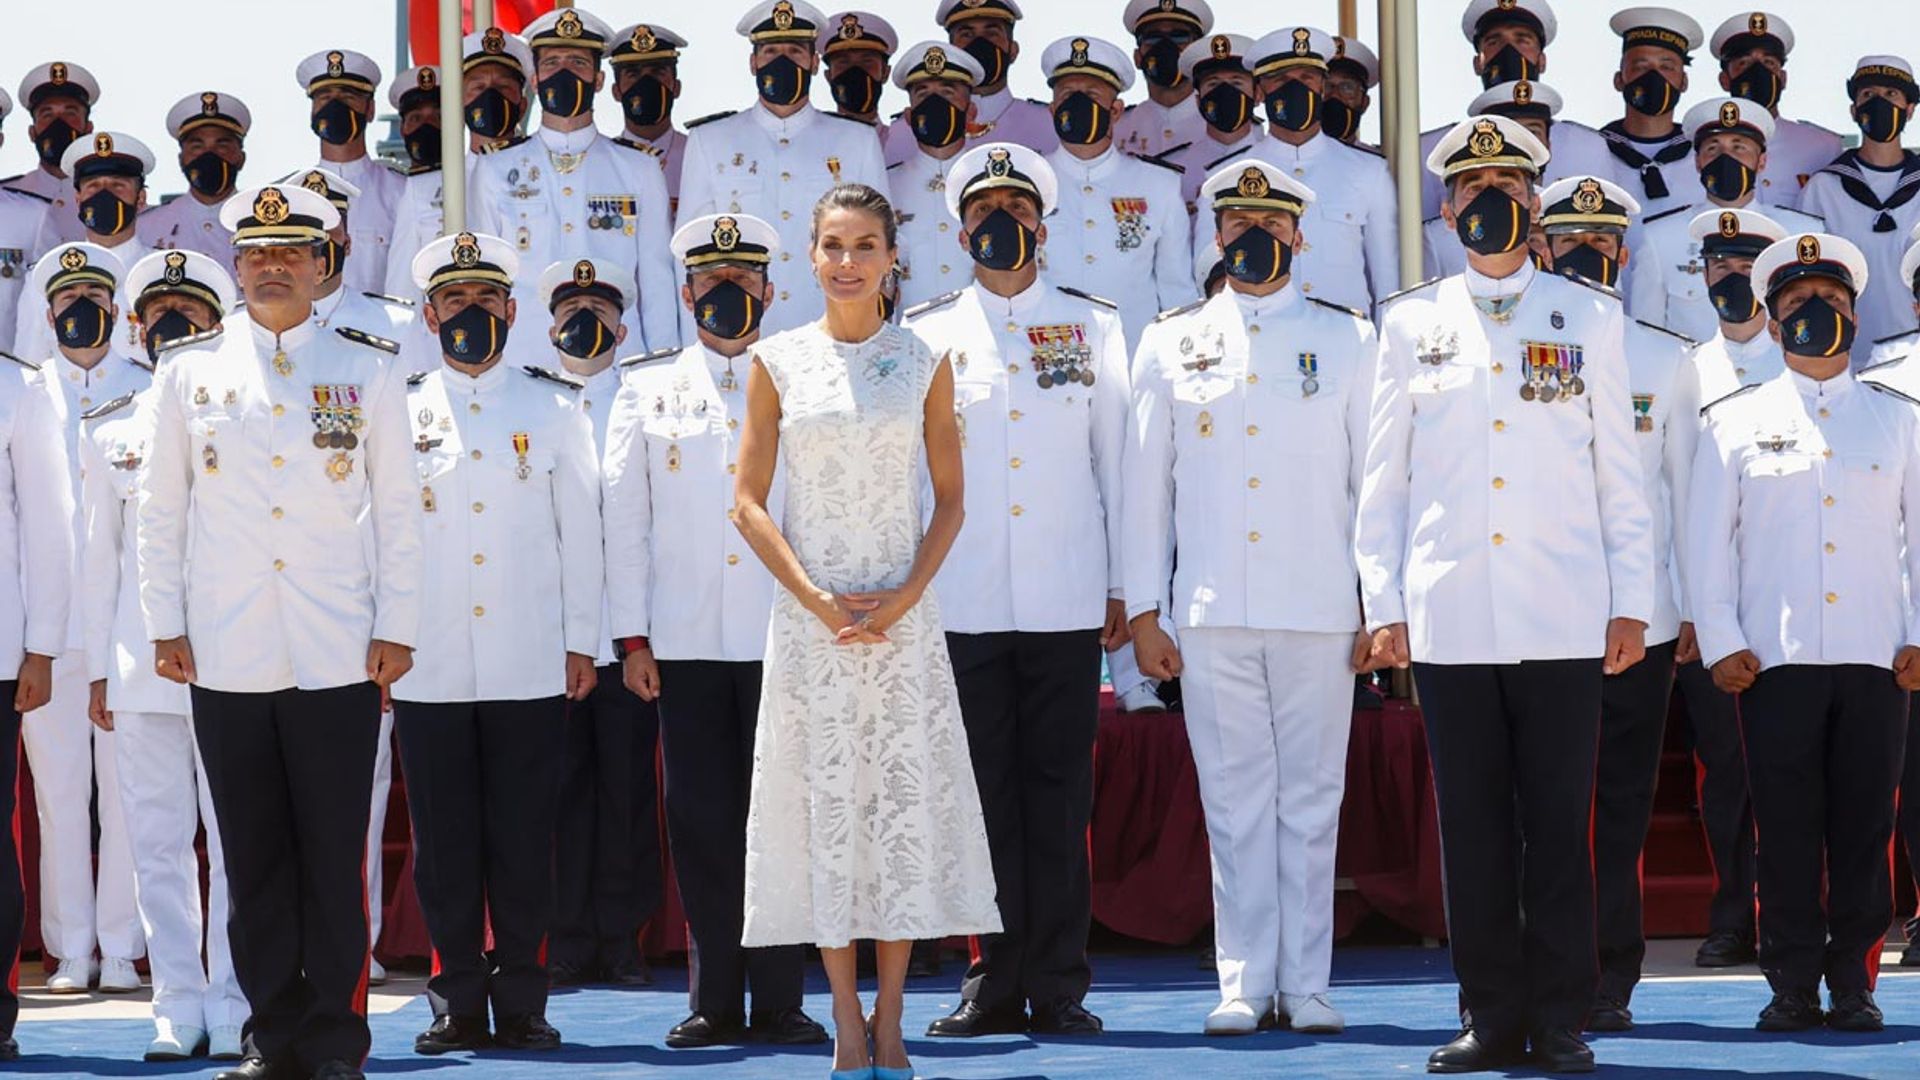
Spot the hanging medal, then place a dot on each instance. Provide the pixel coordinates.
(426, 500)
(210, 459)
(1309, 374)
(521, 442)
(673, 457)
(282, 363)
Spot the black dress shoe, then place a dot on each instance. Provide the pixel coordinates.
(9, 1050)
(256, 1068)
(632, 971)
(1064, 1017)
(1854, 1010)
(337, 1070)
(449, 1033)
(1795, 1010)
(1910, 956)
(563, 973)
(1610, 1013)
(970, 1020)
(526, 1033)
(701, 1029)
(1472, 1052)
(1561, 1051)
(1724, 948)
(788, 1027)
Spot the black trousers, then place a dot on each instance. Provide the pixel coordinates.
(13, 896)
(291, 776)
(1513, 749)
(1908, 819)
(1824, 755)
(708, 711)
(1633, 725)
(1724, 807)
(1031, 706)
(482, 780)
(606, 859)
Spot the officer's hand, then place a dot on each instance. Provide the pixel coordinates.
(386, 662)
(36, 683)
(1906, 667)
(1687, 649)
(173, 659)
(581, 676)
(1155, 653)
(1626, 645)
(1735, 673)
(641, 672)
(1390, 647)
(1362, 659)
(1115, 634)
(97, 705)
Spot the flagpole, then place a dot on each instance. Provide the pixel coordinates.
(453, 133)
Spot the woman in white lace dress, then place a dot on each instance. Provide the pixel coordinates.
(865, 824)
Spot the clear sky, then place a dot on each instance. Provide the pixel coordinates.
(148, 54)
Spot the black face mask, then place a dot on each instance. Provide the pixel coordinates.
(1816, 330)
(492, 114)
(1226, 107)
(583, 336)
(937, 122)
(423, 146)
(993, 59)
(1758, 83)
(1651, 94)
(1733, 299)
(647, 102)
(1880, 120)
(1507, 65)
(1001, 242)
(1493, 223)
(1588, 263)
(728, 312)
(332, 256)
(1338, 119)
(52, 142)
(855, 91)
(337, 123)
(474, 336)
(565, 93)
(83, 324)
(1081, 121)
(170, 326)
(209, 174)
(105, 213)
(782, 82)
(1257, 257)
(1726, 178)
(1160, 63)
(1293, 105)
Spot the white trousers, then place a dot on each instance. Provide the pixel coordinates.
(1125, 671)
(67, 753)
(377, 826)
(163, 791)
(1268, 713)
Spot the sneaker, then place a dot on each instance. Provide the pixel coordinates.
(1312, 1014)
(118, 976)
(223, 1043)
(71, 977)
(1240, 1016)
(1142, 698)
(376, 973)
(174, 1042)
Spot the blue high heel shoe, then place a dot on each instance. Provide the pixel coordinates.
(892, 1074)
(865, 1072)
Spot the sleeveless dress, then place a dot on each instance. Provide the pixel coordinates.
(865, 822)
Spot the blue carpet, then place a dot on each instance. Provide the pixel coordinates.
(1398, 1004)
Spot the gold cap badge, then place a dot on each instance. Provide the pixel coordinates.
(270, 207)
(73, 259)
(1809, 248)
(466, 251)
(1253, 184)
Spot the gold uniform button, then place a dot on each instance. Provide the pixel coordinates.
(1253, 328)
(473, 406)
(567, 191)
(1089, 260)
(785, 176)
(1015, 463)
(1252, 378)
(281, 564)
(278, 513)
(945, 269)
(1253, 538)
(1018, 510)
(783, 294)
(1498, 368)
(1499, 425)
(731, 424)
(1739, 371)
(1827, 453)
(1253, 481)
(1830, 548)
(568, 227)
(1253, 429)
(943, 226)
(1833, 598)
(786, 256)
(479, 507)
(279, 410)
(479, 559)
(1498, 539)
(1824, 413)
(478, 611)
(732, 468)
(278, 461)
(1087, 189)
(1499, 483)
(1013, 369)
(733, 560)
(786, 215)
(1828, 501)
(475, 455)
(1089, 223)
(1015, 414)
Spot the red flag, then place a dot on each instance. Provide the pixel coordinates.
(423, 22)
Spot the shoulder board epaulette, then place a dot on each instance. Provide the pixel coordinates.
(141, 363)
(1687, 341)
(1174, 149)
(1101, 300)
(1651, 218)
(553, 376)
(851, 119)
(385, 299)
(1365, 149)
(1383, 301)
(1037, 101)
(894, 165)
(25, 193)
(416, 378)
(647, 358)
(1891, 338)
(1226, 157)
(1342, 308)
(1430, 221)
(643, 148)
(361, 337)
(420, 170)
(4, 181)
(28, 364)
(1885, 389)
(1181, 310)
(934, 304)
(1871, 368)
(176, 344)
(1728, 397)
(1156, 161)
(504, 144)
(1603, 290)
(710, 118)
(113, 406)
(1817, 127)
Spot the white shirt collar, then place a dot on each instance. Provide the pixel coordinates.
(1285, 153)
(1480, 285)
(1066, 165)
(460, 383)
(1019, 304)
(783, 127)
(568, 142)
(266, 340)
(1285, 299)
(1817, 390)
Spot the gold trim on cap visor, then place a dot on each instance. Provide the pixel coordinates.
(94, 274)
(748, 253)
(483, 274)
(183, 287)
(278, 235)
(1104, 74)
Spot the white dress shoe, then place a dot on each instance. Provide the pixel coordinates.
(118, 976)
(71, 977)
(223, 1043)
(174, 1042)
(376, 974)
(1311, 1014)
(1241, 1016)
(1142, 698)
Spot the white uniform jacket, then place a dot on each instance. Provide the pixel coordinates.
(36, 523)
(1121, 232)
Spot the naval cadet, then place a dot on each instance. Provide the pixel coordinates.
(1224, 97)
(856, 52)
(984, 30)
(20, 218)
(211, 128)
(1167, 120)
(340, 84)
(1752, 48)
(1352, 73)
(59, 95)
(1651, 152)
(109, 172)
(646, 79)
(939, 81)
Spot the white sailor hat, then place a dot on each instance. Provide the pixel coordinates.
(1741, 232)
(1662, 27)
(952, 11)
(1193, 15)
(209, 108)
(851, 30)
(568, 278)
(6, 104)
(495, 46)
(645, 43)
(465, 258)
(1910, 267)
(58, 78)
(1743, 33)
(936, 60)
(183, 273)
(65, 264)
(106, 153)
(1254, 185)
(1489, 141)
(781, 20)
(415, 87)
(1890, 71)
(1216, 51)
(1082, 55)
(277, 215)
(1584, 204)
(1293, 46)
(1001, 165)
(725, 239)
(327, 184)
(1483, 15)
(1522, 99)
(338, 67)
(1354, 53)
(1728, 114)
(1799, 255)
(568, 28)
